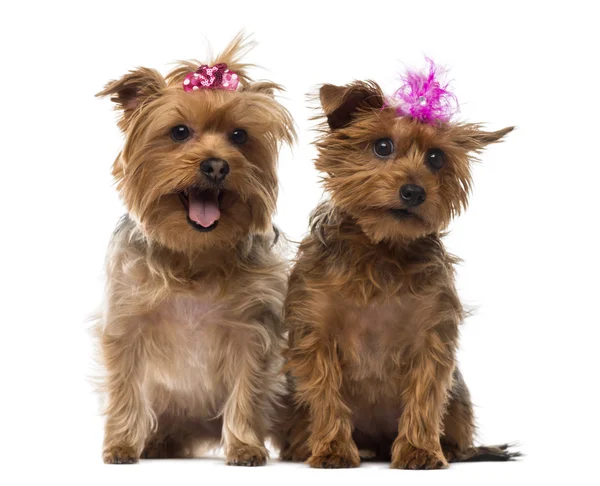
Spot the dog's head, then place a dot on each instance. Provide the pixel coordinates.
(398, 177)
(198, 169)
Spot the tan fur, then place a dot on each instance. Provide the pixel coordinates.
(191, 334)
(372, 309)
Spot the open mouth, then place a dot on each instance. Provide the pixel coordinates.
(203, 207)
(401, 213)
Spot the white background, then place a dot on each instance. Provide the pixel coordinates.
(529, 239)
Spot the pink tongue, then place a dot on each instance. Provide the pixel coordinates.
(204, 207)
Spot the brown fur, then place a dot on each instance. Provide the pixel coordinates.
(191, 333)
(372, 309)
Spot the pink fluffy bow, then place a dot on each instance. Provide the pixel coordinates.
(424, 97)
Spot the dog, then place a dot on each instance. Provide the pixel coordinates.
(191, 333)
(372, 310)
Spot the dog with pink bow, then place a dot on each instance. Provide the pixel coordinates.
(191, 331)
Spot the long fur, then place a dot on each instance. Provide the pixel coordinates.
(192, 331)
(372, 310)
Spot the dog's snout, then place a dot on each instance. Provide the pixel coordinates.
(215, 169)
(412, 195)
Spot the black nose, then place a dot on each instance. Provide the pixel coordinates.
(215, 169)
(412, 195)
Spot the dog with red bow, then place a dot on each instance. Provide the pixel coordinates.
(191, 331)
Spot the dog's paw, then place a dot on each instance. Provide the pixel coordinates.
(406, 456)
(119, 455)
(338, 457)
(247, 456)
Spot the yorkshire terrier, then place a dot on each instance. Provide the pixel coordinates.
(372, 310)
(192, 331)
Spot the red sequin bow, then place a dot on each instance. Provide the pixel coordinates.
(215, 77)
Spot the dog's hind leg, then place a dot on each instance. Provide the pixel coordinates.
(167, 447)
(459, 421)
(177, 439)
(459, 430)
(295, 446)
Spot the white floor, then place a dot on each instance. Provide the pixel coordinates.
(73, 463)
(213, 470)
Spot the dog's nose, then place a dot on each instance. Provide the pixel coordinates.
(215, 169)
(412, 195)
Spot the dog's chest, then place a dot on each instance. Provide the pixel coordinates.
(183, 342)
(374, 339)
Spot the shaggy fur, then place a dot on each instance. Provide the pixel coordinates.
(372, 309)
(191, 333)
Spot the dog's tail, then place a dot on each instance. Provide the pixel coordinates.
(501, 452)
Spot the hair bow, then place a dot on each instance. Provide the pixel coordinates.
(211, 77)
(424, 96)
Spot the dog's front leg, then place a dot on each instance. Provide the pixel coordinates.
(244, 415)
(127, 418)
(315, 365)
(426, 384)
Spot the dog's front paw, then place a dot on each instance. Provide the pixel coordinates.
(119, 455)
(337, 457)
(407, 456)
(247, 456)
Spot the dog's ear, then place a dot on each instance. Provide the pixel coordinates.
(342, 103)
(474, 139)
(132, 90)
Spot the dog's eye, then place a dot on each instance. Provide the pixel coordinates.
(180, 133)
(383, 147)
(435, 158)
(239, 136)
